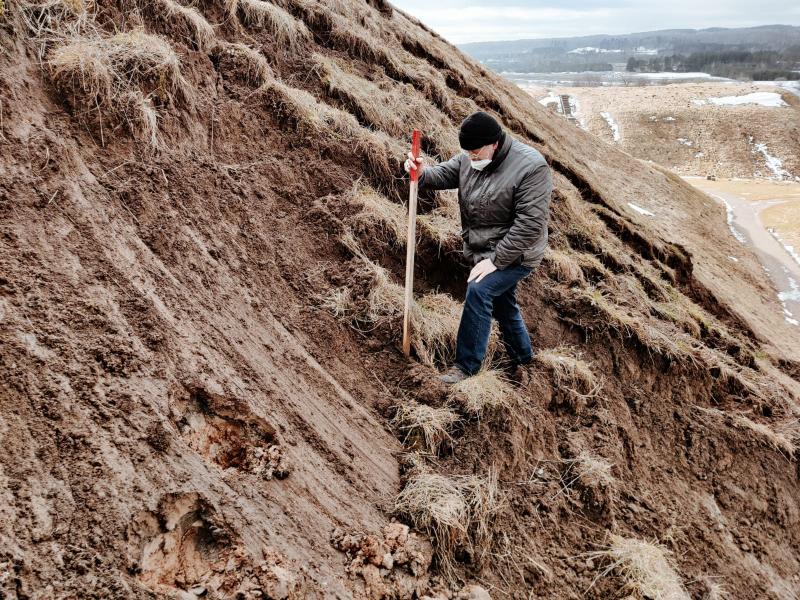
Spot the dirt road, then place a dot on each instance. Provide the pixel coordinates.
(747, 202)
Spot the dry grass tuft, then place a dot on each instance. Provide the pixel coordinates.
(591, 469)
(616, 316)
(347, 34)
(580, 224)
(631, 319)
(434, 327)
(784, 437)
(440, 226)
(142, 116)
(788, 431)
(306, 113)
(423, 426)
(84, 66)
(570, 371)
(386, 106)
(110, 75)
(668, 341)
(434, 317)
(735, 379)
(592, 268)
(193, 24)
(486, 390)
(339, 302)
(376, 208)
(231, 6)
(426, 78)
(563, 266)
(645, 567)
(675, 313)
(335, 128)
(436, 504)
(249, 64)
(485, 501)
(715, 590)
(287, 31)
(386, 298)
(692, 318)
(456, 512)
(100, 66)
(52, 20)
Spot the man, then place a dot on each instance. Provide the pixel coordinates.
(504, 189)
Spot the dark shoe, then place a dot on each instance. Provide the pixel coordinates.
(518, 375)
(453, 376)
(511, 367)
(518, 371)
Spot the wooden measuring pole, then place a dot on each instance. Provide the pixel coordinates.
(411, 242)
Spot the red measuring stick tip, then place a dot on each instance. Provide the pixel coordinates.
(415, 139)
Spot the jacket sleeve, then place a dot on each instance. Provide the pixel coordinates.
(467, 251)
(443, 176)
(531, 214)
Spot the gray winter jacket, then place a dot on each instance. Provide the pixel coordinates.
(505, 208)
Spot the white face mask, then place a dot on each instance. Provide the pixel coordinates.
(480, 165)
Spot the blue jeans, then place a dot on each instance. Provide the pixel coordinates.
(493, 296)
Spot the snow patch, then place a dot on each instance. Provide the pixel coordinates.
(792, 295)
(641, 210)
(674, 75)
(792, 252)
(685, 142)
(575, 107)
(734, 259)
(769, 99)
(551, 98)
(699, 155)
(729, 217)
(791, 86)
(613, 125)
(593, 50)
(669, 118)
(774, 163)
(790, 249)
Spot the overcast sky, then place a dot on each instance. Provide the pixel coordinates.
(484, 20)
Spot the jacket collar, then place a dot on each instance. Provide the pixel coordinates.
(500, 154)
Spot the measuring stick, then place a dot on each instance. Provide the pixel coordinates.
(411, 241)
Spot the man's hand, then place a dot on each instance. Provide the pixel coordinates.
(481, 270)
(412, 164)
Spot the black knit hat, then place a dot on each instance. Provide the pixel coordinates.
(478, 130)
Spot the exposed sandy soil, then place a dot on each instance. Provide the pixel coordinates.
(665, 125)
(183, 415)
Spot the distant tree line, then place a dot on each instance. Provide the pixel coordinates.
(548, 65)
(734, 64)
